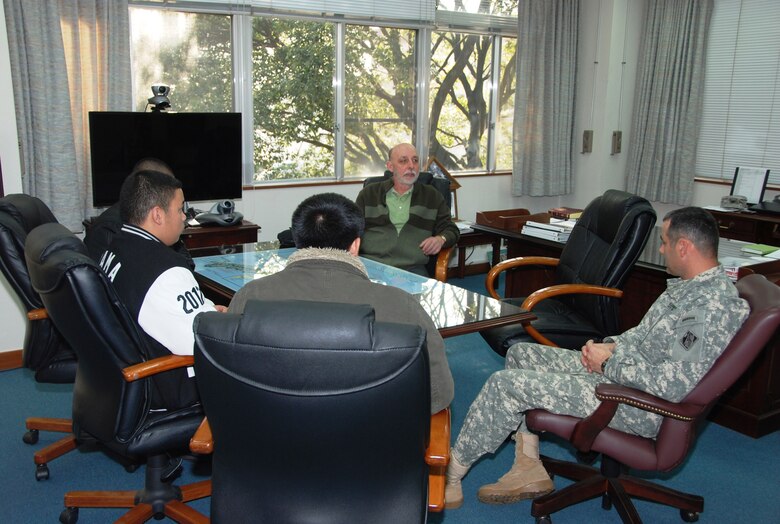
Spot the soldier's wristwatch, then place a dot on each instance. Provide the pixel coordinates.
(604, 364)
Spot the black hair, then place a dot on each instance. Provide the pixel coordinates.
(144, 190)
(327, 220)
(697, 225)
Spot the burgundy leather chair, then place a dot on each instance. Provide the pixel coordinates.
(621, 451)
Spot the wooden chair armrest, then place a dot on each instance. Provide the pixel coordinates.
(157, 365)
(513, 263)
(442, 263)
(437, 456)
(37, 314)
(611, 396)
(438, 452)
(202, 441)
(568, 289)
(561, 289)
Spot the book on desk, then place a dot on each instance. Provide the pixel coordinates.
(557, 231)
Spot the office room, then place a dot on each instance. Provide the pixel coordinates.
(734, 472)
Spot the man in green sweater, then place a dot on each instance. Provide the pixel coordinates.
(405, 222)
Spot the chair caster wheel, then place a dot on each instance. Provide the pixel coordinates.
(689, 516)
(31, 437)
(69, 515)
(545, 519)
(42, 472)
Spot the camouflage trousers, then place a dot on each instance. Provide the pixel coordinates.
(535, 376)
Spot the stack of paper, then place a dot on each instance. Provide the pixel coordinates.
(463, 226)
(759, 249)
(557, 232)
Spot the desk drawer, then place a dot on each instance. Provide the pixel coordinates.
(737, 228)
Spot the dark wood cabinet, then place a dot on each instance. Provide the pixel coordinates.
(196, 237)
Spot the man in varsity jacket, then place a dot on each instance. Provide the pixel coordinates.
(153, 281)
(405, 222)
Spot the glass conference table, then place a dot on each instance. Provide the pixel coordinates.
(454, 310)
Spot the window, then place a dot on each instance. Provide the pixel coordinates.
(326, 94)
(192, 53)
(463, 80)
(380, 96)
(741, 112)
(292, 73)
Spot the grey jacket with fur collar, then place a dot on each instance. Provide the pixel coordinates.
(336, 276)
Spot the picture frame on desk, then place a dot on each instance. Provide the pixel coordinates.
(438, 170)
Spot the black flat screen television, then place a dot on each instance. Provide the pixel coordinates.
(203, 150)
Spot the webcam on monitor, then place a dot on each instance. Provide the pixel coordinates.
(160, 100)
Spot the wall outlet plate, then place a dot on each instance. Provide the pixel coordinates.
(617, 142)
(587, 141)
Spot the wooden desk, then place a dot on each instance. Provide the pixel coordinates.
(471, 239)
(244, 233)
(751, 406)
(750, 227)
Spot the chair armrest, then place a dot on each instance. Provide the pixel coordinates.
(437, 456)
(202, 441)
(513, 263)
(561, 289)
(568, 289)
(611, 396)
(442, 263)
(155, 366)
(648, 402)
(438, 452)
(37, 314)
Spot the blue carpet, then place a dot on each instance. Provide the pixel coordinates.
(737, 475)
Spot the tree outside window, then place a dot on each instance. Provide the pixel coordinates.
(192, 53)
(380, 95)
(292, 76)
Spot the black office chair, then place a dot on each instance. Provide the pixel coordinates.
(44, 351)
(325, 419)
(112, 393)
(676, 437)
(437, 265)
(593, 266)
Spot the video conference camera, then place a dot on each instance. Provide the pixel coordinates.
(160, 101)
(221, 214)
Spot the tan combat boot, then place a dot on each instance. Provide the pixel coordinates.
(527, 479)
(453, 493)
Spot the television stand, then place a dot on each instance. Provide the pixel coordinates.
(209, 236)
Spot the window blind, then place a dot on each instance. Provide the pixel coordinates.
(741, 109)
(410, 11)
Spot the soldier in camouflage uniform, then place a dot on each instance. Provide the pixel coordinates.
(674, 345)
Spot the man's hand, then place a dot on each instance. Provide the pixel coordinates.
(432, 245)
(220, 308)
(593, 354)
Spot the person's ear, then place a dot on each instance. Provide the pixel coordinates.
(389, 165)
(157, 214)
(354, 248)
(683, 247)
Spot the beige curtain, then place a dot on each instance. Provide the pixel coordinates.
(669, 96)
(543, 126)
(68, 57)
